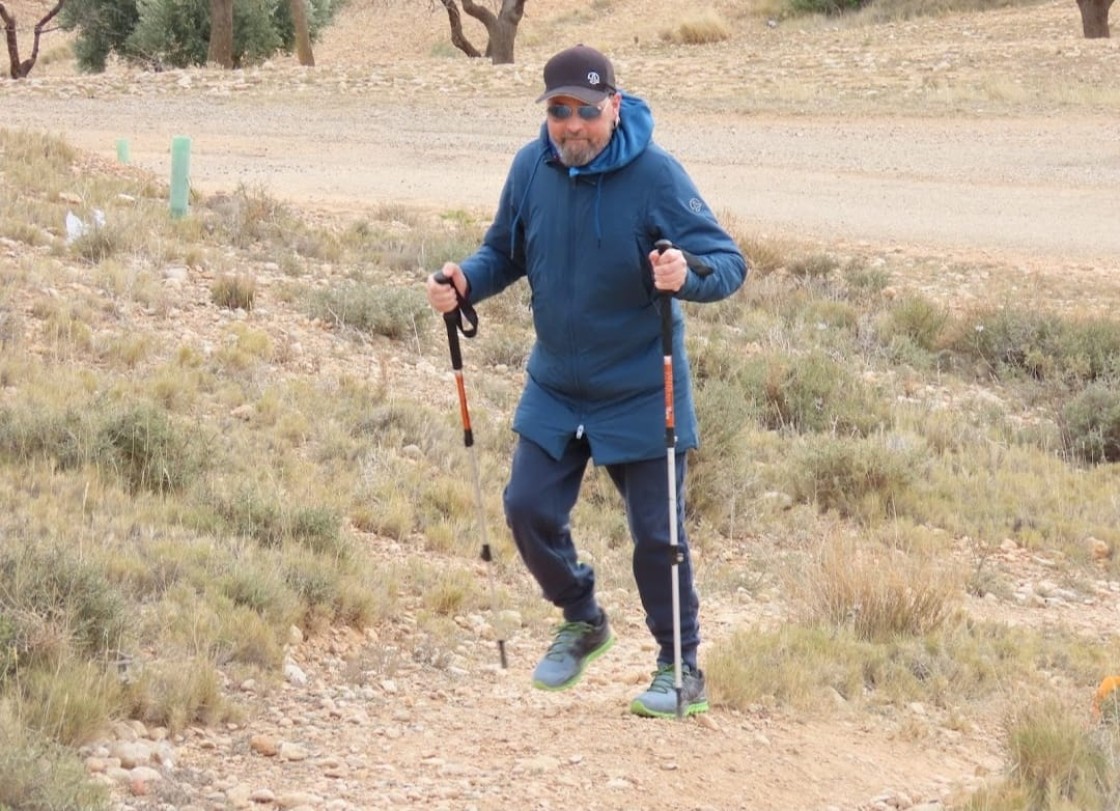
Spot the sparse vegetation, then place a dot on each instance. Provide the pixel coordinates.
(241, 422)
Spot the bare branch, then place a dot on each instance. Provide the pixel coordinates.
(458, 38)
(480, 13)
(18, 69)
(25, 68)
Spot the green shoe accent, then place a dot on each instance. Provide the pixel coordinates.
(660, 700)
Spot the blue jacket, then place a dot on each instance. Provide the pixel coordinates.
(582, 236)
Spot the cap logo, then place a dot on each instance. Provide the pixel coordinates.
(592, 77)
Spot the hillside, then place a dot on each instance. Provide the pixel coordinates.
(973, 156)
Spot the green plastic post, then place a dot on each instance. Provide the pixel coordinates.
(180, 174)
(122, 150)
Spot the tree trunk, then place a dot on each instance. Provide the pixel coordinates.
(500, 29)
(1094, 18)
(502, 36)
(221, 34)
(18, 69)
(303, 33)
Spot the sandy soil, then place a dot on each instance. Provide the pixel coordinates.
(984, 139)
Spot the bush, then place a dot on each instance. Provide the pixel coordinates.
(1055, 761)
(917, 319)
(810, 394)
(1041, 345)
(880, 594)
(1091, 424)
(38, 775)
(861, 478)
(234, 292)
(145, 449)
(829, 7)
(176, 33)
(700, 29)
(389, 311)
(55, 607)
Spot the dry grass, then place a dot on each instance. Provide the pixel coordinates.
(303, 443)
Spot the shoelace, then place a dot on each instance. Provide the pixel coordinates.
(662, 680)
(565, 635)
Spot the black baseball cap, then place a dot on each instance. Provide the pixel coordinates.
(580, 72)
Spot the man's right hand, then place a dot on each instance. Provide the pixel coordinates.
(441, 295)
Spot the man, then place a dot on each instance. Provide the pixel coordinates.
(579, 214)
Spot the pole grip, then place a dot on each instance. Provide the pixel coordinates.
(463, 317)
(451, 320)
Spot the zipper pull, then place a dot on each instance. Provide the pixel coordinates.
(579, 432)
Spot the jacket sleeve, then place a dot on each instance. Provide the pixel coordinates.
(678, 213)
(500, 261)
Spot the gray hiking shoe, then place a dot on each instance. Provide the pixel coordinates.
(660, 700)
(576, 644)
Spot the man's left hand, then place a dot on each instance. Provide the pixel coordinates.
(669, 270)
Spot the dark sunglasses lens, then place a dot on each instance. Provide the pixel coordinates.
(562, 112)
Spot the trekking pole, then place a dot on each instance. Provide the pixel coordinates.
(454, 322)
(675, 553)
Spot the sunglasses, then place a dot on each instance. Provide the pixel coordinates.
(562, 112)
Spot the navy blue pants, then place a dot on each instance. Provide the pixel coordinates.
(538, 503)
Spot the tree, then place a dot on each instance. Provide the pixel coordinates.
(1094, 18)
(18, 69)
(161, 34)
(302, 34)
(501, 28)
(220, 51)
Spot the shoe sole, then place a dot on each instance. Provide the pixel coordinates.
(588, 659)
(638, 708)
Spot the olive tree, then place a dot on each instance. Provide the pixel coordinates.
(163, 34)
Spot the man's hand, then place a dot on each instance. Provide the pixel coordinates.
(669, 270)
(441, 295)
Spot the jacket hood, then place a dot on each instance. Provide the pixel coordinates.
(630, 139)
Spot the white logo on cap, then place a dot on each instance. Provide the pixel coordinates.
(592, 77)
(695, 205)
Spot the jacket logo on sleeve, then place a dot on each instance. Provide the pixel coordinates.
(695, 205)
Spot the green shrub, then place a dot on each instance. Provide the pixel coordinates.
(719, 469)
(1091, 424)
(1056, 761)
(147, 451)
(829, 7)
(810, 393)
(1039, 344)
(176, 33)
(860, 478)
(393, 312)
(815, 267)
(37, 774)
(864, 282)
(916, 319)
(177, 693)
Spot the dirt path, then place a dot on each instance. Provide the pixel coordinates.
(1034, 186)
(1037, 187)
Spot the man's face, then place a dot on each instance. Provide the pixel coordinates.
(580, 139)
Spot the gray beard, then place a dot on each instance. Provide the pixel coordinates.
(581, 155)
